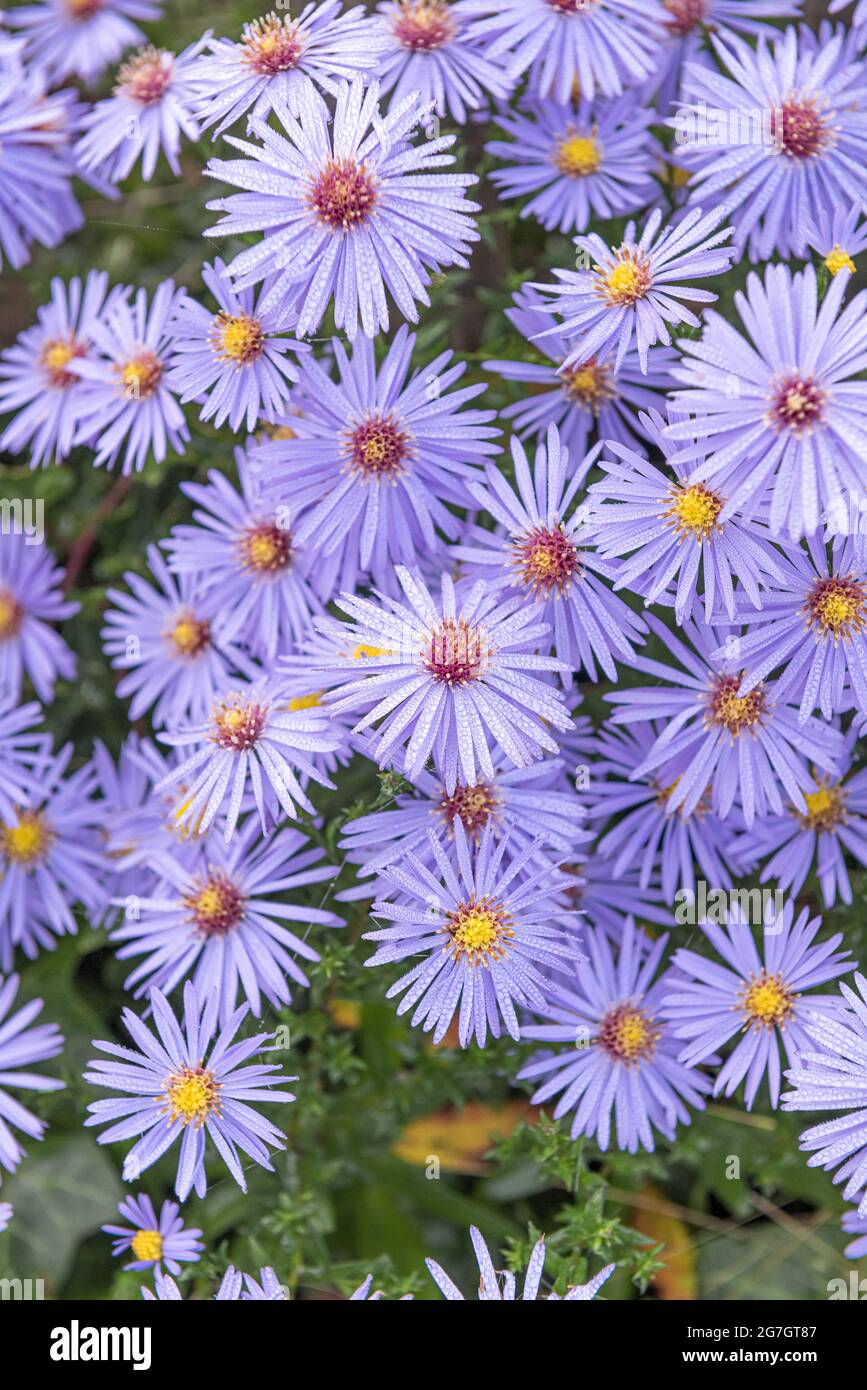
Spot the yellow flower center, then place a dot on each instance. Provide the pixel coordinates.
(54, 358)
(473, 806)
(837, 607)
(731, 711)
(217, 906)
(237, 723)
(266, 548)
(140, 376)
(826, 808)
(589, 384)
(28, 840)
(547, 560)
(238, 338)
(271, 45)
(577, 156)
(192, 1094)
(838, 259)
(147, 1245)
(627, 280)
(479, 932)
(627, 1034)
(11, 616)
(694, 511)
(767, 1003)
(190, 636)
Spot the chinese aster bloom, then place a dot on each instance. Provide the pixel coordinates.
(225, 924)
(349, 207)
(30, 599)
(235, 363)
(589, 401)
(688, 21)
(170, 641)
(22, 751)
(778, 411)
(22, 1045)
(812, 629)
(279, 56)
(604, 45)
(633, 289)
(537, 551)
(375, 458)
(244, 553)
(582, 162)
(154, 1241)
(188, 1085)
(150, 109)
(618, 1058)
(486, 932)
(250, 731)
(838, 236)
(454, 680)
(52, 856)
(833, 1076)
(758, 996)
(681, 553)
(427, 50)
(781, 137)
(80, 38)
(723, 745)
(36, 198)
(500, 1284)
(34, 381)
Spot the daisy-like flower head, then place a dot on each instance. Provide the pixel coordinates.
(777, 409)
(688, 21)
(22, 1045)
(150, 109)
(681, 552)
(778, 139)
(538, 550)
(279, 56)
(500, 1284)
(485, 930)
(375, 458)
(758, 996)
(837, 236)
(30, 599)
(603, 45)
(80, 38)
(832, 1075)
(454, 680)
(224, 923)
(632, 290)
(236, 362)
(582, 162)
(349, 207)
(34, 381)
(126, 396)
(427, 50)
(23, 750)
(248, 557)
(188, 1084)
(251, 730)
(52, 856)
(589, 401)
(720, 744)
(36, 198)
(154, 1241)
(811, 629)
(618, 1058)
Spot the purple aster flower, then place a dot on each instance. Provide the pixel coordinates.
(80, 38)
(6, 1213)
(779, 139)
(190, 1085)
(722, 744)
(234, 363)
(486, 931)
(619, 1058)
(52, 856)
(22, 1046)
(680, 551)
(688, 21)
(589, 401)
(453, 680)
(154, 1241)
(582, 162)
(244, 553)
(126, 394)
(23, 751)
(537, 551)
(758, 996)
(427, 50)
(500, 1284)
(812, 629)
(779, 411)
(36, 385)
(349, 207)
(170, 640)
(36, 198)
(250, 731)
(632, 291)
(224, 924)
(278, 57)
(150, 109)
(833, 1076)
(838, 235)
(30, 599)
(604, 46)
(375, 458)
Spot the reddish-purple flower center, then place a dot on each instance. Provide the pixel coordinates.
(473, 806)
(456, 652)
(344, 195)
(266, 548)
(378, 448)
(836, 607)
(423, 25)
(54, 357)
(685, 15)
(216, 906)
(799, 128)
(732, 712)
(797, 404)
(237, 723)
(547, 560)
(627, 1035)
(146, 76)
(271, 45)
(11, 615)
(590, 384)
